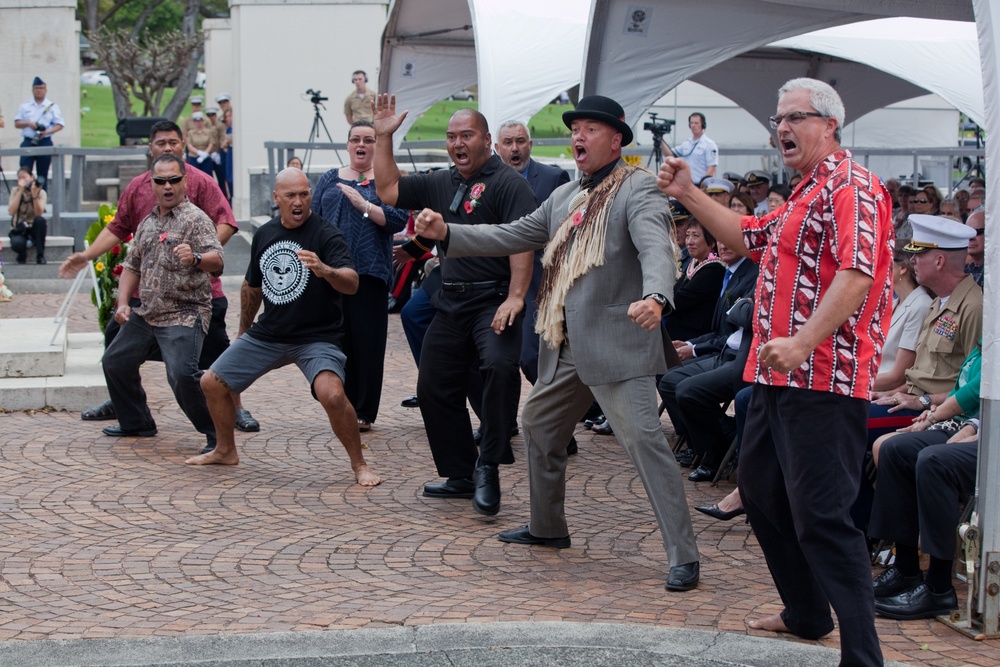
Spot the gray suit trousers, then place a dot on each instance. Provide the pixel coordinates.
(549, 418)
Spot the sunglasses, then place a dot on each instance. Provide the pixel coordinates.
(162, 180)
(920, 201)
(980, 231)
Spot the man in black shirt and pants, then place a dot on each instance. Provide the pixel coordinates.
(479, 307)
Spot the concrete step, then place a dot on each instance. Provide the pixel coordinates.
(79, 388)
(32, 347)
(57, 248)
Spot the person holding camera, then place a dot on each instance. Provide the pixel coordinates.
(38, 119)
(27, 204)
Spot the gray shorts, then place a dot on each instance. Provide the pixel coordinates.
(247, 359)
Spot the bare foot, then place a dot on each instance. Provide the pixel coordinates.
(365, 477)
(771, 624)
(213, 458)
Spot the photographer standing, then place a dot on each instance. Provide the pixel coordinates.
(27, 204)
(38, 119)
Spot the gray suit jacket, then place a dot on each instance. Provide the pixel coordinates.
(639, 259)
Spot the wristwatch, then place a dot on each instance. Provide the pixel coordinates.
(197, 259)
(658, 298)
(925, 401)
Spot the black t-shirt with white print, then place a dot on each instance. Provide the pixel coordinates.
(299, 307)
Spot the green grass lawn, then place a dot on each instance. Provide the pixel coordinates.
(98, 119)
(97, 126)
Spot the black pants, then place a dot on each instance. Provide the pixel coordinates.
(801, 459)
(460, 338)
(36, 234)
(921, 481)
(216, 340)
(38, 163)
(366, 327)
(700, 397)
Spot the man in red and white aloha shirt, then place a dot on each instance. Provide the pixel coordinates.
(823, 308)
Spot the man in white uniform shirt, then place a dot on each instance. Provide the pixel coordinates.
(700, 152)
(38, 119)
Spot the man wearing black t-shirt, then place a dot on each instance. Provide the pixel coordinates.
(299, 267)
(479, 307)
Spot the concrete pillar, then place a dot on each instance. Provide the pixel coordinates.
(218, 58)
(39, 38)
(280, 49)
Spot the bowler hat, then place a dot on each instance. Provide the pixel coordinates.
(604, 109)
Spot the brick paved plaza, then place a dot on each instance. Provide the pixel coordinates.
(106, 537)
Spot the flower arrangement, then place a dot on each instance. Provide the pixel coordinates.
(5, 293)
(108, 267)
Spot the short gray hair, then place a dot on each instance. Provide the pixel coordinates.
(513, 123)
(823, 98)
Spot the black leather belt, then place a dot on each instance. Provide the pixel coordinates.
(472, 287)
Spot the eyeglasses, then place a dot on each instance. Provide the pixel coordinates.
(162, 180)
(368, 141)
(980, 231)
(920, 201)
(793, 118)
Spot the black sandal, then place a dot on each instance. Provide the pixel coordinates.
(245, 421)
(102, 412)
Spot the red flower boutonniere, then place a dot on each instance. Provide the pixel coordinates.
(365, 182)
(474, 194)
(163, 237)
(577, 218)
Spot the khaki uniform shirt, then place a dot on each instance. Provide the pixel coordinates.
(950, 332)
(360, 108)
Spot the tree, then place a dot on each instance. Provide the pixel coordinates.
(147, 66)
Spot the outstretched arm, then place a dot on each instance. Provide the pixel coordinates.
(386, 171)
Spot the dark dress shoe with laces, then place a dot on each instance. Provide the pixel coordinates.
(118, 432)
(454, 487)
(683, 577)
(702, 474)
(410, 402)
(523, 536)
(918, 602)
(716, 513)
(487, 495)
(893, 581)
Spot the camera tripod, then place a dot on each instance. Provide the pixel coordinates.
(3, 178)
(314, 135)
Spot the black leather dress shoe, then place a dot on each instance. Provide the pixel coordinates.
(918, 602)
(702, 474)
(410, 402)
(118, 432)
(453, 487)
(716, 513)
(688, 459)
(683, 577)
(487, 496)
(892, 582)
(523, 536)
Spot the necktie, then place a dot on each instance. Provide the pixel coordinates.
(725, 281)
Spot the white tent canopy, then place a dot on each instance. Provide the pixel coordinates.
(522, 53)
(636, 53)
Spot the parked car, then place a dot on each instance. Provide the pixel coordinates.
(464, 95)
(95, 77)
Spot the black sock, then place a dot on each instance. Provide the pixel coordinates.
(907, 560)
(939, 575)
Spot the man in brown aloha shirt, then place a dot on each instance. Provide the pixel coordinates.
(174, 250)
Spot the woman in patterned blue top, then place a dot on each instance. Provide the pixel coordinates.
(346, 198)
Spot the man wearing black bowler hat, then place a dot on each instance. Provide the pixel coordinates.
(608, 270)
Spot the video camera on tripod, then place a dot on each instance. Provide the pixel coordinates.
(658, 126)
(317, 96)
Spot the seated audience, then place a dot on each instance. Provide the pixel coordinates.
(698, 287)
(909, 308)
(741, 202)
(777, 195)
(924, 472)
(975, 262)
